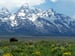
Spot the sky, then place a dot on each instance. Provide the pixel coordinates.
(66, 7)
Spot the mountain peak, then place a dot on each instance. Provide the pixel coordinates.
(25, 5)
(4, 10)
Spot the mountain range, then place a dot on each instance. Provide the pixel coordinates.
(35, 22)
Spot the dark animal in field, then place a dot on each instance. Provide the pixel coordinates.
(13, 40)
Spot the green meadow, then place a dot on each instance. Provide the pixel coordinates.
(51, 47)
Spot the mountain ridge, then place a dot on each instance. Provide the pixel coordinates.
(35, 22)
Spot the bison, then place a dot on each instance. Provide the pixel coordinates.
(13, 40)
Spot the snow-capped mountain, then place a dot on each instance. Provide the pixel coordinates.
(35, 21)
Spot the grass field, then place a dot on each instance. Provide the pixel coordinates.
(38, 48)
